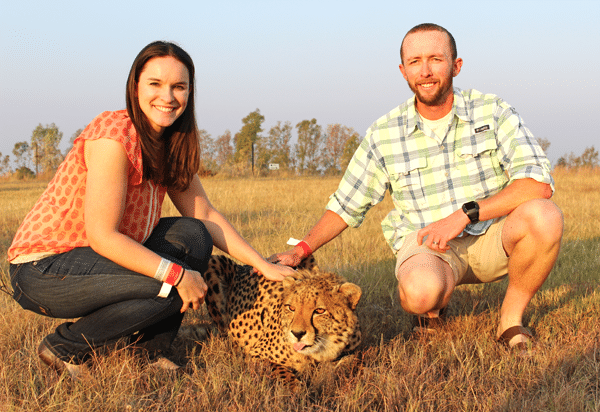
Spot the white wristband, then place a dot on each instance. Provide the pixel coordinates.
(163, 268)
(164, 290)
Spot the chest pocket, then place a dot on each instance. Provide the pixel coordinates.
(478, 156)
(406, 181)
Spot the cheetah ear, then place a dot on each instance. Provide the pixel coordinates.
(352, 293)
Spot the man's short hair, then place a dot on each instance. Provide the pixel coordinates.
(431, 27)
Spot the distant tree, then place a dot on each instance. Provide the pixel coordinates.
(544, 144)
(4, 165)
(308, 146)
(351, 145)
(72, 140)
(573, 160)
(22, 152)
(248, 136)
(589, 158)
(223, 150)
(24, 173)
(279, 144)
(293, 159)
(44, 147)
(333, 148)
(207, 152)
(262, 156)
(561, 162)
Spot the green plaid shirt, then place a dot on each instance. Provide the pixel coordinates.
(486, 147)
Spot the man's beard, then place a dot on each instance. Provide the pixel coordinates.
(436, 99)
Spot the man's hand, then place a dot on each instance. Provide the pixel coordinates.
(438, 234)
(290, 258)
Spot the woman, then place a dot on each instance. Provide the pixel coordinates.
(94, 245)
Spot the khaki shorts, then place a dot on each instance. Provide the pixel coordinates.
(473, 259)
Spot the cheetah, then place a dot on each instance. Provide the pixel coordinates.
(308, 317)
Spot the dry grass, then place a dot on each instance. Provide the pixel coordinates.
(461, 369)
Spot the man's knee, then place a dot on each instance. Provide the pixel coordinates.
(423, 287)
(540, 218)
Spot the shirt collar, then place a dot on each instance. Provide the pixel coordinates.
(459, 107)
(412, 118)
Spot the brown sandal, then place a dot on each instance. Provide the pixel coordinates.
(425, 325)
(513, 331)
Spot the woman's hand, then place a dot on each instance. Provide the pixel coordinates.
(274, 272)
(192, 290)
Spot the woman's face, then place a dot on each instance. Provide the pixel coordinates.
(163, 90)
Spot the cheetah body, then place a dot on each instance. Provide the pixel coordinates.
(308, 317)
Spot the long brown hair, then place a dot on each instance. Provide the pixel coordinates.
(176, 164)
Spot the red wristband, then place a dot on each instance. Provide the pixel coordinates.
(307, 250)
(180, 278)
(175, 271)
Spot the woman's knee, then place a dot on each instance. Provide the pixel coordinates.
(193, 236)
(183, 238)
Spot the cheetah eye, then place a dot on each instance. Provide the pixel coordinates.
(290, 308)
(320, 311)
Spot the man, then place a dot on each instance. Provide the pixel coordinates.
(470, 187)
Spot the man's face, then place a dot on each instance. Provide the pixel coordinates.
(428, 67)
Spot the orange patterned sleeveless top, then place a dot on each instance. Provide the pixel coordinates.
(56, 222)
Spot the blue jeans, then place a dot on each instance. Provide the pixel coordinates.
(110, 301)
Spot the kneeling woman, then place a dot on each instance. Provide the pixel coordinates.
(94, 246)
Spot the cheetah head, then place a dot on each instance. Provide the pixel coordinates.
(318, 314)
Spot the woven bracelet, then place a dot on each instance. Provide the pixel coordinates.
(180, 278)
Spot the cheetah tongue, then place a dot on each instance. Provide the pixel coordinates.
(298, 346)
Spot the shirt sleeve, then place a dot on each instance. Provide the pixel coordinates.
(363, 185)
(520, 153)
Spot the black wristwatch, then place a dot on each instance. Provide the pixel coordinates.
(471, 209)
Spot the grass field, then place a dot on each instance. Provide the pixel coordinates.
(461, 369)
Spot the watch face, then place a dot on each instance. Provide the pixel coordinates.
(471, 209)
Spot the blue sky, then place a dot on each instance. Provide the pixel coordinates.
(64, 62)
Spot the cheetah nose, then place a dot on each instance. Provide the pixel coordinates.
(298, 334)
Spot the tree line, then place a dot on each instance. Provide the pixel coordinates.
(251, 151)
(588, 159)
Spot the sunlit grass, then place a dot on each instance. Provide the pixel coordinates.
(461, 369)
